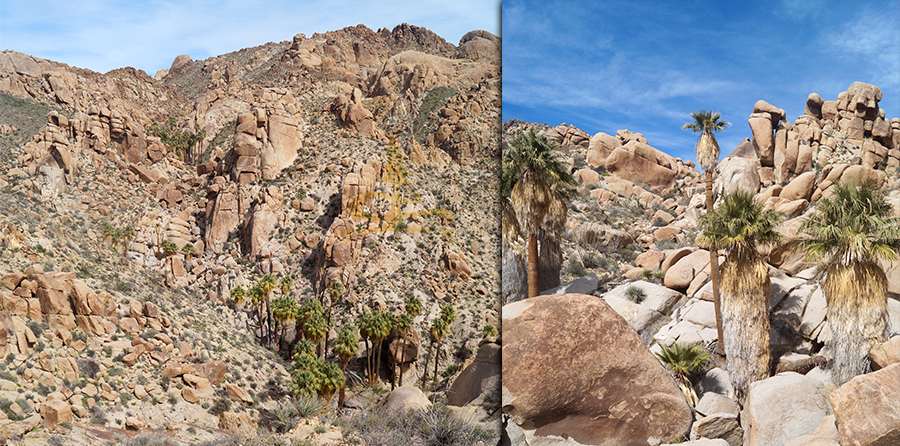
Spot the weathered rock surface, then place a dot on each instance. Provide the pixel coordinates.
(866, 408)
(590, 367)
(782, 408)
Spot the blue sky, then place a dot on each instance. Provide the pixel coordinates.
(103, 35)
(646, 65)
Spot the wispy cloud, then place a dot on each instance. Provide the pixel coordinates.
(646, 65)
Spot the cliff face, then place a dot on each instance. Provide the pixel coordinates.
(359, 157)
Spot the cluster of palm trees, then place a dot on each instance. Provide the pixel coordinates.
(847, 235)
(118, 238)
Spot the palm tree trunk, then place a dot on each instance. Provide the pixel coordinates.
(378, 360)
(745, 317)
(403, 352)
(340, 407)
(533, 283)
(714, 272)
(437, 357)
(427, 361)
(856, 298)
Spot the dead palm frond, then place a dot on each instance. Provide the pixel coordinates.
(849, 233)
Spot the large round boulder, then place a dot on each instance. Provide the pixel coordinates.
(574, 370)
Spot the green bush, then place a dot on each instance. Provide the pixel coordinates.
(635, 294)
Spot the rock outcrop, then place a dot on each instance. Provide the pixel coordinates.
(590, 367)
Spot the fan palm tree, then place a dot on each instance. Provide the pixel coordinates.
(346, 347)
(267, 283)
(684, 361)
(238, 294)
(850, 233)
(255, 295)
(402, 324)
(706, 123)
(537, 182)
(188, 250)
(284, 309)
(413, 306)
(374, 326)
(286, 283)
(314, 323)
(739, 226)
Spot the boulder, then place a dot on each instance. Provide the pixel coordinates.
(782, 408)
(237, 423)
(867, 408)
(719, 425)
(639, 163)
(480, 377)
(885, 354)
(56, 411)
(800, 188)
(775, 113)
(763, 136)
(737, 174)
(238, 394)
(609, 372)
(403, 399)
(680, 275)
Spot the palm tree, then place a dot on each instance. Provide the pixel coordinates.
(314, 323)
(684, 361)
(346, 347)
(849, 233)
(286, 283)
(402, 324)
(238, 294)
(188, 250)
(255, 294)
(267, 283)
(739, 226)
(284, 309)
(537, 181)
(706, 123)
(374, 326)
(413, 306)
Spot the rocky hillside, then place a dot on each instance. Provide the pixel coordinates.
(135, 205)
(630, 243)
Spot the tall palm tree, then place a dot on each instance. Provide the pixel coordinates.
(284, 309)
(255, 294)
(738, 227)
(267, 283)
(706, 123)
(413, 306)
(849, 233)
(537, 181)
(346, 347)
(402, 324)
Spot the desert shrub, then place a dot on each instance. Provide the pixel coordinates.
(221, 405)
(308, 406)
(635, 294)
(283, 418)
(154, 439)
(437, 425)
(575, 268)
(98, 416)
(259, 440)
